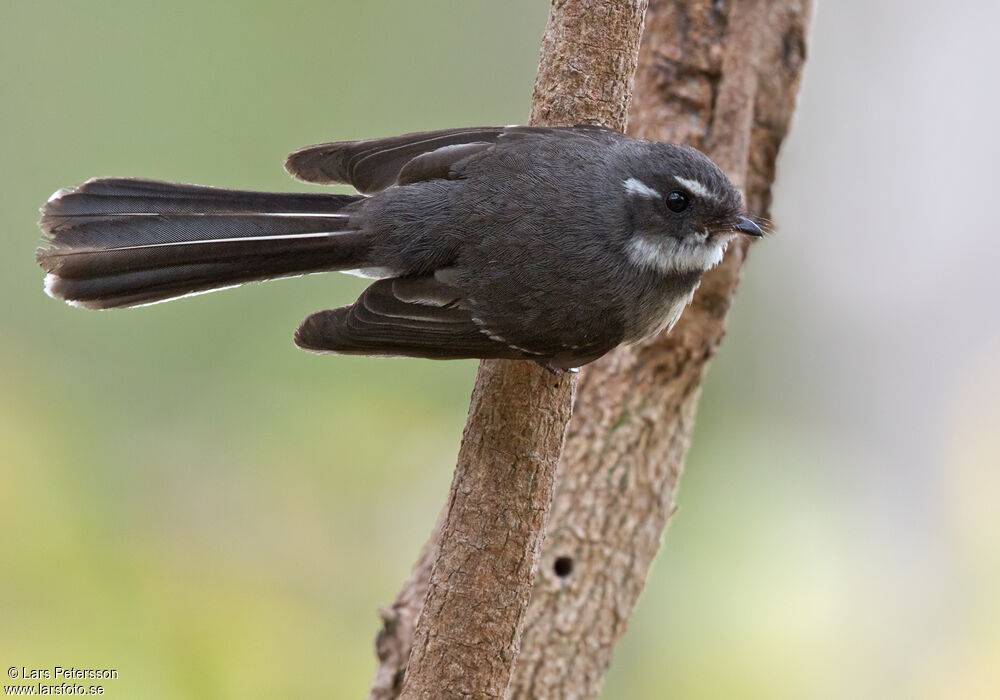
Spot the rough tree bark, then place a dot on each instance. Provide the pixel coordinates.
(478, 572)
(722, 76)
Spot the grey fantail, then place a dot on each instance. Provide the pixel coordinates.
(546, 244)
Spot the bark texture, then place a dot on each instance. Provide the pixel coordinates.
(723, 77)
(466, 637)
(460, 614)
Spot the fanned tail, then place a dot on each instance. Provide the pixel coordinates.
(129, 242)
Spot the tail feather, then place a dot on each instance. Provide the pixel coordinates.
(115, 195)
(129, 242)
(136, 229)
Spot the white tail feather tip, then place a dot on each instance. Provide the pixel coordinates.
(59, 194)
(50, 283)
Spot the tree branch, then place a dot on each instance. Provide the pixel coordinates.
(721, 79)
(478, 572)
(466, 637)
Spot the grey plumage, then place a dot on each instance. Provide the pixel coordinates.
(550, 244)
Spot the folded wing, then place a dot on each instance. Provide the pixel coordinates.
(375, 164)
(406, 317)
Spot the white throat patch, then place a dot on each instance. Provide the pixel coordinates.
(667, 254)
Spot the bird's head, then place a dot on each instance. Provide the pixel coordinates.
(683, 211)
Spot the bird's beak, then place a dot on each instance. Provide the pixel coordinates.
(747, 226)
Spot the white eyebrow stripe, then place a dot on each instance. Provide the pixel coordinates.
(640, 188)
(694, 187)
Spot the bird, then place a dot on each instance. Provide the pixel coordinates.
(549, 244)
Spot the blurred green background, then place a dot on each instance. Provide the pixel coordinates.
(189, 499)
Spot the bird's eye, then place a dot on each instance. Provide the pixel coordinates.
(677, 201)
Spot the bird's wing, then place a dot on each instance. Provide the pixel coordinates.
(408, 317)
(375, 164)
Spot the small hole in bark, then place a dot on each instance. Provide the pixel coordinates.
(563, 566)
